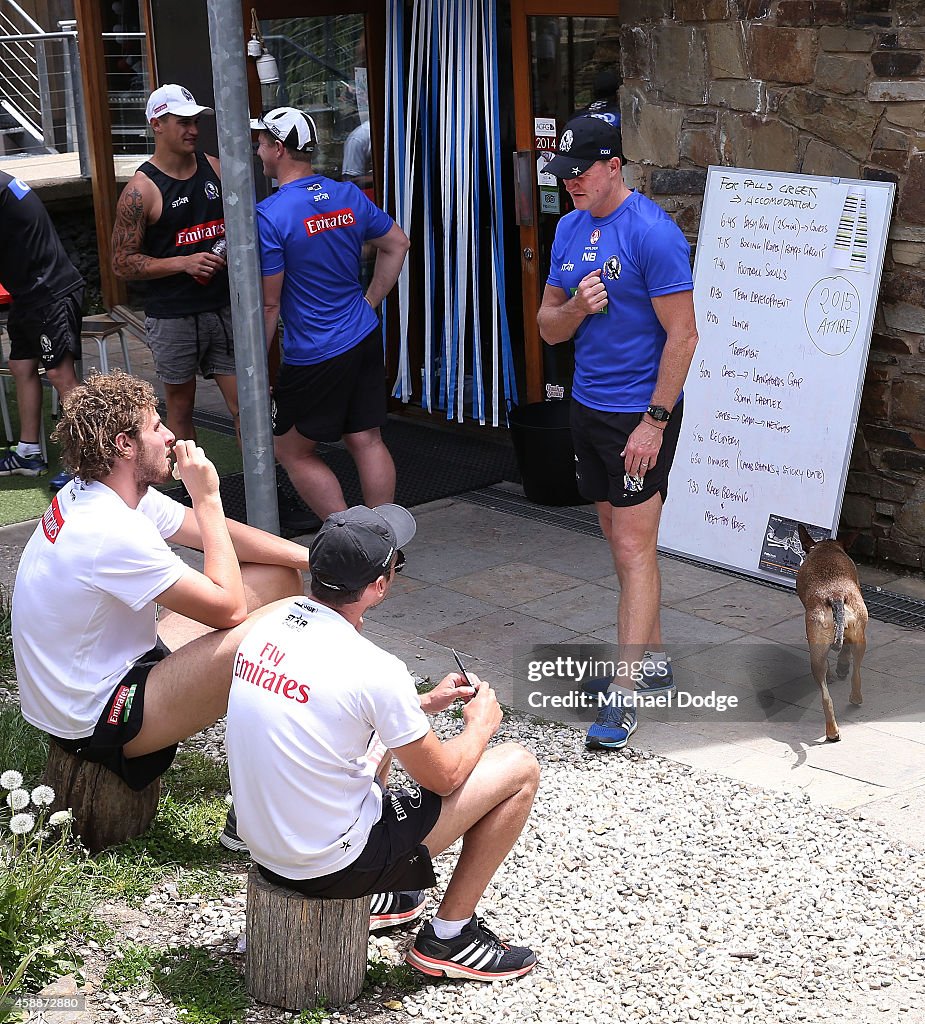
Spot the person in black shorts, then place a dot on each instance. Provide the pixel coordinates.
(331, 381)
(314, 715)
(620, 284)
(92, 673)
(44, 319)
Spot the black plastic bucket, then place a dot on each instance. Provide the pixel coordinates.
(545, 456)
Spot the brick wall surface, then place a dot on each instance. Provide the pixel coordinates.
(833, 87)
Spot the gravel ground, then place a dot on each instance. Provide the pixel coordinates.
(651, 892)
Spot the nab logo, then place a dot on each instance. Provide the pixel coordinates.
(567, 267)
(589, 257)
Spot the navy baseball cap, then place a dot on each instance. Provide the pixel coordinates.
(355, 547)
(586, 140)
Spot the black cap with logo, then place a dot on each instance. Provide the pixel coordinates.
(586, 140)
(355, 547)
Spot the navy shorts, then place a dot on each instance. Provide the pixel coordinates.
(393, 860)
(49, 333)
(342, 395)
(119, 723)
(599, 437)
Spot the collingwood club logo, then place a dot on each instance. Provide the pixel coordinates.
(612, 268)
(211, 190)
(565, 143)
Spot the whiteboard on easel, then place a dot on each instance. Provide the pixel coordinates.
(786, 280)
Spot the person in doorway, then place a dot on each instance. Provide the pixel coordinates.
(168, 220)
(606, 102)
(92, 672)
(331, 383)
(309, 692)
(47, 295)
(620, 284)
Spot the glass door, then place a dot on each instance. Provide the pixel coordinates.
(570, 56)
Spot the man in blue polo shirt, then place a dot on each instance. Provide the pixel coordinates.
(331, 383)
(620, 284)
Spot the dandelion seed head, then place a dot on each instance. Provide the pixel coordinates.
(60, 818)
(11, 779)
(43, 796)
(18, 799)
(20, 824)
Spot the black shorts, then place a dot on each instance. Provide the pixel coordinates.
(599, 437)
(342, 395)
(120, 723)
(49, 333)
(393, 860)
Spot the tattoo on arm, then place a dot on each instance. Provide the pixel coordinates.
(128, 234)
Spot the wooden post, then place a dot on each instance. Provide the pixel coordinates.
(301, 950)
(106, 812)
(99, 135)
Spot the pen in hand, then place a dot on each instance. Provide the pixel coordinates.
(462, 669)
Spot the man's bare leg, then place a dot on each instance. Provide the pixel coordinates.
(317, 485)
(632, 534)
(489, 811)
(28, 397)
(181, 400)
(188, 690)
(375, 466)
(63, 377)
(228, 385)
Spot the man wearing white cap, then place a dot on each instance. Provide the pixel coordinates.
(168, 222)
(310, 700)
(331, 383)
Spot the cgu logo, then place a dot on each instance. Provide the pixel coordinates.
(329, 221)
(200, 232)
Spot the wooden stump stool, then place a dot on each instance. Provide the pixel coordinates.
(300, 949)
(106, 812)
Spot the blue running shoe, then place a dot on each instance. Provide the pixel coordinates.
(59, 480)
(614, 726)
(13, 464)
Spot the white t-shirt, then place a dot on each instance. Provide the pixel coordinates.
(307, 693)
(83, 608)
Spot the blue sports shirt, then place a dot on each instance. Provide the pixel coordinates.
(642, 253)
(314, 229)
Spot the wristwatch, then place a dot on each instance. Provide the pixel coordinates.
(659, 413)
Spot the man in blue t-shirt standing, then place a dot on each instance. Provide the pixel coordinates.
(620, 284)
(331, 383)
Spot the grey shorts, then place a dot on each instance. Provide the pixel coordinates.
(186, 345)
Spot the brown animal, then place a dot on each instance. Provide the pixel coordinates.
(836, 617)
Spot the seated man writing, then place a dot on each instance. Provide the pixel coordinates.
(92, 671)
(308, 695)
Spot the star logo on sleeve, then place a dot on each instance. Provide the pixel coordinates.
(346, 844)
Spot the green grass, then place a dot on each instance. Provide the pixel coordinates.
(27, 497)
(7, 667)
(401, 977)
(21, 746)
(204, 988)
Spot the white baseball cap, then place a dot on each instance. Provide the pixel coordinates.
(173, 99)
(292, 127)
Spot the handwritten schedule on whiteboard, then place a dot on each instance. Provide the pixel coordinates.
(785, 287)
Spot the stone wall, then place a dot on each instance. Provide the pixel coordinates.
(832, 87)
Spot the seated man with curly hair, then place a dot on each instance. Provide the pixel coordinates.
(92, 672)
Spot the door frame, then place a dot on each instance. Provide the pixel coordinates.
(523, 131)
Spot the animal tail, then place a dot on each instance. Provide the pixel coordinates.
(838, 614)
